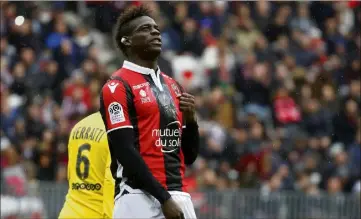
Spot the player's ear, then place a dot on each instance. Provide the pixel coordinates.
(125, 41)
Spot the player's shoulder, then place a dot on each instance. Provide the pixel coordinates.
(171, 80)
(89, 128)
(117, 81)
(92, 120)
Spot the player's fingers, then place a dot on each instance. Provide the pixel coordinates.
(188, 100)
(186, 104)
(183, 103)
(184, 108)
(187, 95)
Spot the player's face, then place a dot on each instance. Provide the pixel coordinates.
(146, 38)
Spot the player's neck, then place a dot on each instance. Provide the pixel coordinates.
(152, 64)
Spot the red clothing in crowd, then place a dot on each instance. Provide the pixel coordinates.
(354, 3)
(286, 110)
(86, 96)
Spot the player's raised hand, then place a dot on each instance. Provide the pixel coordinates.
(187, 106)
(171, 210)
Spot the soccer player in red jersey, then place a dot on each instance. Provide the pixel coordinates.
(151, 126)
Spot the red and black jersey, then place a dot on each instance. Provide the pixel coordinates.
(146, 101)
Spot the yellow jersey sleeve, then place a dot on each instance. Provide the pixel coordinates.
(108, 195)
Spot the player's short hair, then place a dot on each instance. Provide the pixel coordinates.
(122, 28)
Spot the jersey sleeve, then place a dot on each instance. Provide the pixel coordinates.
(115, 106)
(108, 194)
(71, 144)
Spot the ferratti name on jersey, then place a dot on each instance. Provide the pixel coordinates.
(88, 133)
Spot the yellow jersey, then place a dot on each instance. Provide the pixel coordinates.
(91, 185)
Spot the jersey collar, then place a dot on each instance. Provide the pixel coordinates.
(146, 71)
(139, 69)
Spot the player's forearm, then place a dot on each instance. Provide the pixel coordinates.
(190, 142)
(122, 143)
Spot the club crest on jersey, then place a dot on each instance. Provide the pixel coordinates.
(143, 96)
(116, 113)
(176, 90)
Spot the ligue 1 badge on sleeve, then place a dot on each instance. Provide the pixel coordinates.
(176, 90)
(116, 113)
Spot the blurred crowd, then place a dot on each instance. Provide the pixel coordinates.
(277, 88)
